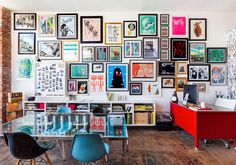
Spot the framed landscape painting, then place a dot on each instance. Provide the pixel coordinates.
(135, 89)
(26, 43)
(115, 53)
(199, 72)
(70, 50)
(217, 55)
(198, 29)
(166, 68)
(179, 49)
(46, 25)
(197, 52)
(151, 48)
(133, 49)
(218, 75)
(113, 33)
(148, 24)
(49, 50)
(78, 71)
(130, 29)
(179, 26)
(24, 21)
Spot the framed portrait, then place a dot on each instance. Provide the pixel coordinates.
(130, 29)
(46, 25)
(216, 55)
(88, 53)
(133, 48)
(78, 71)
(70, 50)
(24, 21)
(113, 33)
(167, 82)
(181, 67)
(202, 87)
(218, 75)
(179, 49)
(166, 68)
(135, 88)
(143, 70)
(179, 26)
(165, 55)
(197, 52)
(179, 83)
(148, 25)
(164, 31)
(97, 67)
(67, 26)
(164, 43)
(151, 48)
(49, 50)
(115, 53)
(82, 87)
(101, 53)
(71, 85)
(198, 72)
(26, 43)
(117, 77)
(198, 29)
(152, 88)
(91, 29)
(25, 67)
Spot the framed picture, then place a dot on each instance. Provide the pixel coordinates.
(24, 21)
(198, 29)
(179, 26)
(166, 68)
(49, 50)
(88, 53)
(164, 53)
(97, 84)
(198, 72)
(101, 53)
(46, 25)
(67, 26)
(148, 25)
(218, 75)
(25, 67)
(130, 29)
(143, 70)
(135, 89)
(164, 31)
(26, 43)
(117, 77)
(79, 71)
(71, 85)
(82, 87)
(164, 43)
(197, 52)
(91, 29)
(151, 48)
(115, 53)
(179, 49)
(181, 67)
(202, 87)
(152, 88)
(167, 82)
(113, 33)
(164, 19)
(133, 49)
(70, 50)
(97, 67)
(179, 83)
(217, 55)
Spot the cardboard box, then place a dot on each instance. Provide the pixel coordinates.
(141, 118)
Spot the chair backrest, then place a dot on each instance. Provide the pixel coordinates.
(88, 147)
(64, 110)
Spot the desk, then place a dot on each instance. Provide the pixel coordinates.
(218, 123)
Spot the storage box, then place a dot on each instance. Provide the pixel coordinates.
(164, 123)
(140, 118)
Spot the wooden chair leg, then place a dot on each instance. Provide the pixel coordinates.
(106, 158)
(49, 161)
(33, 162)
(18, 162)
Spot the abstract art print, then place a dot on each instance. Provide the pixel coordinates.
(179, 26)
(151, 48)
(26, 43)
(218, 75)
(152, 88)
(180, 82)
(82, 87)
(135, 88)
(71, 85)
(179, 49)
(164, 31)
(216, 55)
(166, 68)
(164, 43)
(25, 68)
(164, 19)
(101, 53)
(70, 50)
(181, 67)
(115, 53)
(133, 49)
(167, 82)
(197, 52)
(97, 67)
(198, 72)
(113, 33)
(130, 29)
(97, 84)
(24, 21)
(198, 29)
(88, 54)
(164, 55)
(78, 71)
(46, 25)
(148, 25)
(49, 50)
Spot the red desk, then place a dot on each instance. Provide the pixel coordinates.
(218, 123)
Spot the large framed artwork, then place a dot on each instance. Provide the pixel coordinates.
(135, 88)
(117, 77)
(91, 29)
(166, 68)
(24, 21)
(181, 67)
(180, 82)
(151, 48)
(179, 26)
(179, 49)
(143, 70)
(49, 50)
(113, 33)
(101, 53)
(216, 55)
(148, 24)
(198, 29)
(26, 43)
(199, 72)
(70, 50)
(25, 67)
(67, 26)
(130, 29)
(133, 49)
(46, 25)
(218, 75)
(167, 82)
(82, 87)
(197, 52)
(115, 53)
(88, 53)
(78, 71)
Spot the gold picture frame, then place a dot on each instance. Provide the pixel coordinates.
(179, 83)
(181, 67)
(112, 35)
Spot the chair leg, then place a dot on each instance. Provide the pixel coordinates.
(33, 162)
(49, 161)
(106, 158)
(18, 162)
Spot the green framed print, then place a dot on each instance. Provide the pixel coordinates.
(148, 25)
(216, 55)
(115, 53)
(79, 71)
(197, 52)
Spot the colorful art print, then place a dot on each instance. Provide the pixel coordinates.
(91, 28)
(46, 25)
(82, 87)
(26, 43)
(202, 87)
(135, 89)
(130, 29)
(79, 71)
(71, 85)
(113, 33)
(164, 31)
(25, 68)
(164, 53)
(117, 77)
(179, 49)
(24, 21)
(151, 48)
(167, 82)
(197, 52)
(70, 50)
(198, 29)
(164, 19)
(101, 53)
(98, 124)
(179, 25)
(143, 70)
(133, 49)
(67, 26)
(164, 43)
(182, 67)
(97, 67)
(216, 55)
(218, 75)
(49, 50)
(180, 82)
(88, 53)
(166, 68)
(148, 25)
(152, 88)
(198, 72)
(97, 83)
(115, 53)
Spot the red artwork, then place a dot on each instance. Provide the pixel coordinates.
(97, 123)
(142, 70)
(97, 83)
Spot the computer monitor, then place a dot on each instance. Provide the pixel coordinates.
(193, 93)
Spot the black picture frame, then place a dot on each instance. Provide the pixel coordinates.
(165, 52)
(96, 53)
(140, 49)
(79, 64)
(136, 29)
(145, 50)
(197, 73)
(161, 19)
(161, 31)
(190, 29)
(49, 41)
(155, 15)
(179, 48)
(34, 42)
(109, 54)
(162, 82)
(167, 43)
(82, 53)
(102, 65)
(140, 87)
(215, 48)
(166, 68)
(68, 88)
(86, 87)
(35, 22)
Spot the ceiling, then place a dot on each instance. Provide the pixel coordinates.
(119, 5)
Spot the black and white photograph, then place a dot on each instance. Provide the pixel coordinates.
(49, 50)
(26, 43)
(198, 72)
(24, 21)
(166, 68)
(151, 48)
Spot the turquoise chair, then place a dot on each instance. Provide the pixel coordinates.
(64, 110)
(88, 148)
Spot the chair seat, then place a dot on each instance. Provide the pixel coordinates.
(46, 145)
(107, 148)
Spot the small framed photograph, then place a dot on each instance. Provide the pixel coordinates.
(26, 43)
(133, 49)
(70, 50)
(197, 52)
(79, 71)
(49, 50)
(216, 55)
(198, 29)
(179, 25)
(167, 82)
(199, 72)
(164, 19)
(164, 31)
(179, 83)
(148, 25)
(165, 55)
(82, 87)
(113, 33)
(88, 53)
(97, 67)
(46, 25)
(218, 75)
(166, 68)
(101, 53)
(24, 21)
(151, 48)
(179, 49)
(71, 85)
(115, 53)
(130, 29)
(202, 87)
(135, 89)
(181, 67)
(164, 43)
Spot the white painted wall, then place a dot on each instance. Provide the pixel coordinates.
(218, 25)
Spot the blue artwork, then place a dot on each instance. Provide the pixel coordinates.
(101, 54)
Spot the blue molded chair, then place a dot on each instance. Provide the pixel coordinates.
(89, 148)
(64, 110)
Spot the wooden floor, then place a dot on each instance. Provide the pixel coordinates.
(150, 147)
